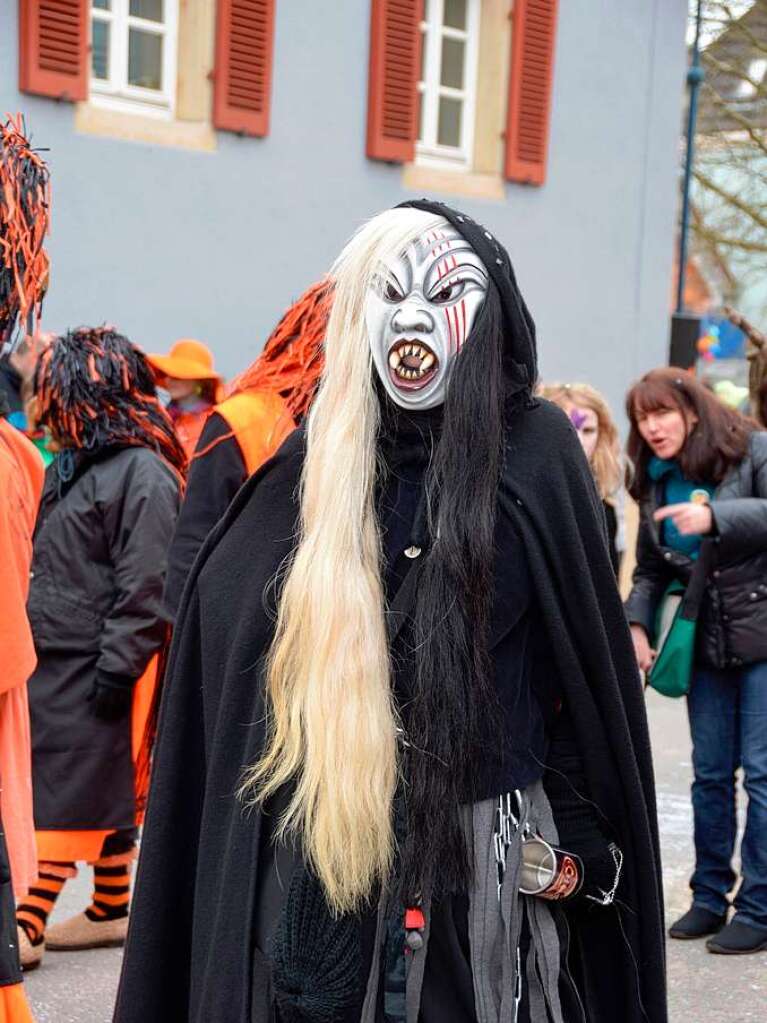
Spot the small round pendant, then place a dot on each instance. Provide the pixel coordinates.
(412, 552)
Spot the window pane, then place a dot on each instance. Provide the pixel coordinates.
(419, 137)
(455, 13)
(100, 51)
(144, 59)
(452, 63)
(149, 9)
(449, 127)
(102, 5)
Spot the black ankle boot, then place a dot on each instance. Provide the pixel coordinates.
(738, 939)
(697, 922)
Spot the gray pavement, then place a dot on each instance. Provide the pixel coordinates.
(79, 987)
(703, 988)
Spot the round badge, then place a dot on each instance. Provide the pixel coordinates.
(699, 497)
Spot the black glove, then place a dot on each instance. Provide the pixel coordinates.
(578, 824)
(112, 696)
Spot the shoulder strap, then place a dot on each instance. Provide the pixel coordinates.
(696, 587)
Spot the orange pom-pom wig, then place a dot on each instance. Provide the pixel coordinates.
(94, 388)
(291, 362)
(24, 219)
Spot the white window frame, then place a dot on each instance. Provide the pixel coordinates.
(115, 93)
(433, 30)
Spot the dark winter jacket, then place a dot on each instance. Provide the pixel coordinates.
(98, 569)
(611, 517)
(211, 486)
(732, 628)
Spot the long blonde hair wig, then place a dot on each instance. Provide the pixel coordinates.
(331, 719)
(606, 460)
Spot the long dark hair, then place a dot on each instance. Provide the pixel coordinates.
(451, 713)
(716, 443)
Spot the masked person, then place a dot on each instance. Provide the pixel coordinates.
(100, 546)
(406, 630)
(187, 374)
(24, 268)
(590, 415)
(263, 406)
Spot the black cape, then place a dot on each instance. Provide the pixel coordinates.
(191, 955)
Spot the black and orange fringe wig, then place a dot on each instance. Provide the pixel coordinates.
(291, 362)
(94, 388)
(24, 221)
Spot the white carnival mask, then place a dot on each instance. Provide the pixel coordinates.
(420, 313)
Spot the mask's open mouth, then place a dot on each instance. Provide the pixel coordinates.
(412, 364)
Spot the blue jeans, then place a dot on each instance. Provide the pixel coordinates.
(728, 723)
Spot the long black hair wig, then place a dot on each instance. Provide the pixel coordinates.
(453, 709)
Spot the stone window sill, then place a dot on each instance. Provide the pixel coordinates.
(421, 179)
(129, 127)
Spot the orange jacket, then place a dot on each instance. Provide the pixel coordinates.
(260, 422)
(21, 483)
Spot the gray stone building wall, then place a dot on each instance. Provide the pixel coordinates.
(168, 242)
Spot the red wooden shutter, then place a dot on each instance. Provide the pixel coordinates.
(53, 48)
(530, 80)
(395, 53)
(243, 75)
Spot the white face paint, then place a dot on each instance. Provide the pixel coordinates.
(420, 313)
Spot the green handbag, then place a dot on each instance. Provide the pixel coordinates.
(674, 643)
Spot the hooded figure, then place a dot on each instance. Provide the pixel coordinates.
(422, 786)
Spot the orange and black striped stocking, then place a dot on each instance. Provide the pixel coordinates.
(33, 911)
(111, 887)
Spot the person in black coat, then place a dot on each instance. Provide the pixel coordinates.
(700, 475)
(404, 649)
(265, 402)
(106, 518)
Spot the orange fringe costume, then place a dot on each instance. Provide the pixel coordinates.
(24, 267)
(266, 401)
(95, 392)
(74, 415)
(264, 405)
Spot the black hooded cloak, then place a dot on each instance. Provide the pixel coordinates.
(192, 953)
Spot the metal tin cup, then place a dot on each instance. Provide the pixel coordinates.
(548, 872)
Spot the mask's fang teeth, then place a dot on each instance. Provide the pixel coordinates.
(394, 359)
(428, 362)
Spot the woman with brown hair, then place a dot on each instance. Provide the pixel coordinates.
(590, 415)
(699, 470)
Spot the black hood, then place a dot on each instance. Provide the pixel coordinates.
(520, 328)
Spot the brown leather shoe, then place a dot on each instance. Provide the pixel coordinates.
(30, 955)
(80, 932)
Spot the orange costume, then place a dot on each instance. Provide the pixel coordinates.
(192, 361)
(21, 483)
(265, 402)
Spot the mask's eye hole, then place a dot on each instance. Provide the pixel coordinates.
(449, 293)
(391, 294)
